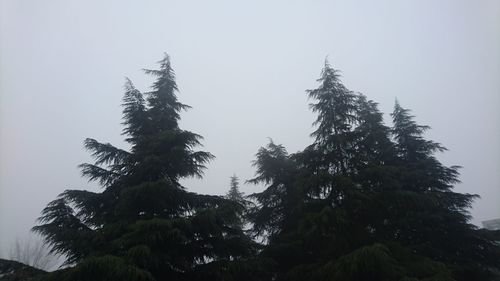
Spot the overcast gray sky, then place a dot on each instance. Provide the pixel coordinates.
(244, 67)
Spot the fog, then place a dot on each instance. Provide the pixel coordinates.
(244, 67)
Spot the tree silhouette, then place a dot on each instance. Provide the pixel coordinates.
(365, 201)
(145, 225)
(234, 192)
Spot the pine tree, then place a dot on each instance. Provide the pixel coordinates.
(234, 192)
(428, 215)
(365, 201)
(336, 107)
(362, 202)
(145, 225)
(276, 204)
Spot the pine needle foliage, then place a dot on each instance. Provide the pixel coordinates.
(234, 192)
(145, 225)
(366, 201)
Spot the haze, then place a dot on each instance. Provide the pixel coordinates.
(244, 67)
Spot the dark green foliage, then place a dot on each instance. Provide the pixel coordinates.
(102, 268)
(365, 201)
(144, 225)
(234, 192)
(275, 205)
(16, 271)
(336, 108)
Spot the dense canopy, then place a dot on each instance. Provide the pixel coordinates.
(145, 225)
(364, 201)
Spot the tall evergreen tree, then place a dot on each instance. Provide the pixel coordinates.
(234, 192)
(145, 225)
(362, 202)
(428, 215)
(336, 108)
(365, 201)
(276, 204)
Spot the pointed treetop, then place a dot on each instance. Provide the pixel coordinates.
(409, 135)
(234, 192)
(334, 103)
(134, 112)
(162, 100)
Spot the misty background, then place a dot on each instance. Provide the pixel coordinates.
(244, 67)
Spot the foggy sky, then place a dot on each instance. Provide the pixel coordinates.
(244, 67)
